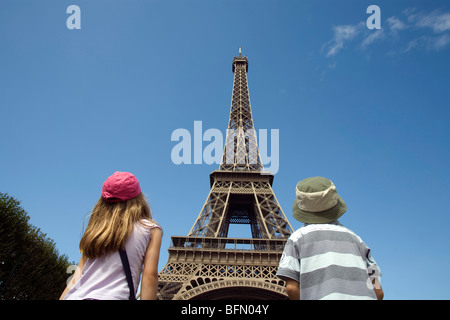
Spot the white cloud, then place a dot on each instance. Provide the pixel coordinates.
(415, 43)
(412, 30)
(373, 36)
(342, 34)
(441, 42)
(430, 43)
(345, 32)
(439, 22)
(396, 24)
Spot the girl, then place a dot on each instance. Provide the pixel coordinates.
(121, 219)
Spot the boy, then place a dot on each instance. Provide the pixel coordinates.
(323, 259)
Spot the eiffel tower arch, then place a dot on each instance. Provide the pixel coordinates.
(208, 265)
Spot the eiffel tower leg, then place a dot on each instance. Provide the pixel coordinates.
(209, 222)
(271, 215)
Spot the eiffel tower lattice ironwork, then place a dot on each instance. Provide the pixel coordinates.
(206, 264)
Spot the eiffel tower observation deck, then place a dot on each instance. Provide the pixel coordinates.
(208, 265)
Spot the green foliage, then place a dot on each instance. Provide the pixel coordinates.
(30, 265)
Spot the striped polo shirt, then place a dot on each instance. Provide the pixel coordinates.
(330, 262)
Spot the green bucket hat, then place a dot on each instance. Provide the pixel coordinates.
(317, 201)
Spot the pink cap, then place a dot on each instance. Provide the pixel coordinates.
(121, 186)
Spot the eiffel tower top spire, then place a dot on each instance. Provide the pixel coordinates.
(241, 148)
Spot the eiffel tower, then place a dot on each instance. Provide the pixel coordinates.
(206, 264)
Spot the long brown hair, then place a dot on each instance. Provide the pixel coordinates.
(111, 223)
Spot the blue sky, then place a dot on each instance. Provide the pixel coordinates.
(365, 108)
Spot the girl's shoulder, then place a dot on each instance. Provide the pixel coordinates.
(150, 224)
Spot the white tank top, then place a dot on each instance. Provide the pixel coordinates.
(103, 278)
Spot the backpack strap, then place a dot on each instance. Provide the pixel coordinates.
(126, 268)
